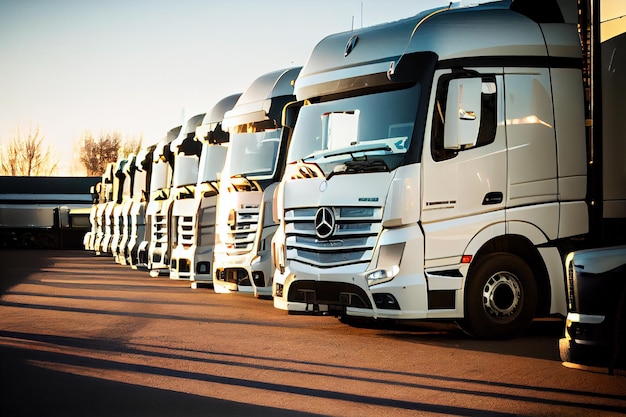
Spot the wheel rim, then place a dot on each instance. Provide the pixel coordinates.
(502, 295)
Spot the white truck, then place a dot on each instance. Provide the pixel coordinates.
(122, 211)
(113, 211)
(103, 209)
(89, 240)
(140, 195)
(441, 167)
(176, 168)
(195, 205)
(160, 177)
(254, 165)
(595, 329)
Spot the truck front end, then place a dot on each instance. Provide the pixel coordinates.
(349, 239)
(596, 288)
(187, 152)
(200, 240)
(121, 254)
(350, 210)
(159, 208)
(137, 215)
(253, 167)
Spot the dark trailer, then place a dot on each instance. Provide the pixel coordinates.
(45, 212)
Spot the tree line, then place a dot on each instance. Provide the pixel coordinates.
(28, 154)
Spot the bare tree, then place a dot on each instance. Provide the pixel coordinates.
(96, 153)
(131, 145)
(26, 155)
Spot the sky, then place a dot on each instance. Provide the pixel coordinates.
(141, 67)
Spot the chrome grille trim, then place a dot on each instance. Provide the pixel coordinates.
(356, 231)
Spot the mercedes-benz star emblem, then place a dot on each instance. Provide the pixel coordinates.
(324, 222)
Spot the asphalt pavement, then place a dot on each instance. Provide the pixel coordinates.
(83, 336)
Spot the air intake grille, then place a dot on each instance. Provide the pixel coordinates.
(354, 234)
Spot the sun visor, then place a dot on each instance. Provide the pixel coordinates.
(249, 113)
(188, 133)
(216, 114)
(255, 103)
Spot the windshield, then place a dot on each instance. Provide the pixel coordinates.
(374, 127)
(159, 178)
(253, 155)
(185, 170)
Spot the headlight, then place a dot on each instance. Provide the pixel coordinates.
(378, 276)
(387, 264)
(279, 255)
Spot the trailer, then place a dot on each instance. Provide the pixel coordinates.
(45, 212)
(442, 166)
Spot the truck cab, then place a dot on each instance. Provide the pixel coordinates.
(438, 169)
(104, 206)
(120, 249)
(175, 169)
(90, 237)
(158, 191)
(254, 166)
(186, 150)
(194, 217)
(137, 214)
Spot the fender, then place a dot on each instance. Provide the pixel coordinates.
(528, 230)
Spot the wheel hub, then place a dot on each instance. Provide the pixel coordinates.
(501, 295)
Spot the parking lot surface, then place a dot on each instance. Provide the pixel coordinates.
(80, 335)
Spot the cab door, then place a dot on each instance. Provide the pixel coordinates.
(464, 163)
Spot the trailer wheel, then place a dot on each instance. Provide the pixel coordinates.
(500, 297)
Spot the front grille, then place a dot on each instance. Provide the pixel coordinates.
(571, 295)
(328, 293)
(244, 231)
(159, 229)
(352, 242)
(185, 230)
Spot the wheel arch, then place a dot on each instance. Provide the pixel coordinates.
(523, 247)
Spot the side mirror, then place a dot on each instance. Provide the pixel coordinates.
(462, 118)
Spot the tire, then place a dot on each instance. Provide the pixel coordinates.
(500, 297)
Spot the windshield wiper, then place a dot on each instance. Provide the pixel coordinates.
(358, 148)
(359, 167)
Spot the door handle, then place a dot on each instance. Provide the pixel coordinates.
(494, 197)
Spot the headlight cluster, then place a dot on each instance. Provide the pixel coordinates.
(279, 254)
(387, 264)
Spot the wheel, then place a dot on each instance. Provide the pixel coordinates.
(500, 297)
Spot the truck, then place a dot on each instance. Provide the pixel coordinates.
(158, 191)
(186, 151)
(89, 239)
(140, 195)
(442, 166)
(103, 209)
(194, 209)
(113, 223)
(121, 212)
(172, 168)
(595, 328)
(254, 165)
